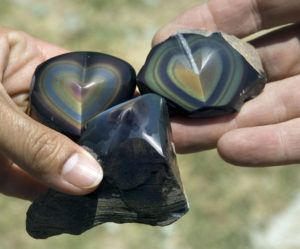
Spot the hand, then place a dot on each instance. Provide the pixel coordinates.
(266, 131)
(32, 156)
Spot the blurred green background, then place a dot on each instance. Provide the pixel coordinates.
(229, 206)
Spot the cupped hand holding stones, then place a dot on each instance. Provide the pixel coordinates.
(32, 156)
(266, 129)
(264, 132)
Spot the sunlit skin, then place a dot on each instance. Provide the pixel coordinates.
(265, 132)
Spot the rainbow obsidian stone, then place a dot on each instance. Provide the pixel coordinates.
(141, 183)
(202, 74)
(70, 89)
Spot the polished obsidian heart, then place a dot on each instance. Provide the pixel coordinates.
(202, 74)
(69, 89)
(141, 181)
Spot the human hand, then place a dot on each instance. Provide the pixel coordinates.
(32, 156)
(266, 131)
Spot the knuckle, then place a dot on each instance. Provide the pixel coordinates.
(44, 150)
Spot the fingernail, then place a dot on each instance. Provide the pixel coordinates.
(82, 171)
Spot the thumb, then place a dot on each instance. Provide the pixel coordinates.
(49, 156)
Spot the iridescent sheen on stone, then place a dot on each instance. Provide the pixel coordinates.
(133, 143)
(69, 89)
(202, 74)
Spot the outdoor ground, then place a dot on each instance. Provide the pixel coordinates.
(230, 207)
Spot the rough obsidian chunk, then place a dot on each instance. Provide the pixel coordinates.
(69, 89)
(133, 143)
(202, 74)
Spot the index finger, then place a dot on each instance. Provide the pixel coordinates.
(237, 17)
(20, 54)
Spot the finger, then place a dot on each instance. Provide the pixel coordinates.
(278, 102)
(50, 157)
(280, 52)
(193, 135)
(237, 17)
(14, 37)
(269, 145)
(49, 50)
(20, 55)
(17, 183)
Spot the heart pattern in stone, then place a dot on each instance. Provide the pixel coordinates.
(69, 89)
(200, 74)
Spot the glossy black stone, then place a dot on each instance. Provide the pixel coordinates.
(69, 89)
(202, 74)
(141, 183)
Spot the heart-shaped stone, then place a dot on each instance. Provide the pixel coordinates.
(69, 89)
(202, 74)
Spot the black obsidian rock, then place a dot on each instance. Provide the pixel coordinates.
(202, 74)
(141, 183)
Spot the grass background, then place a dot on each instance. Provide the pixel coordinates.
(227, 203)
